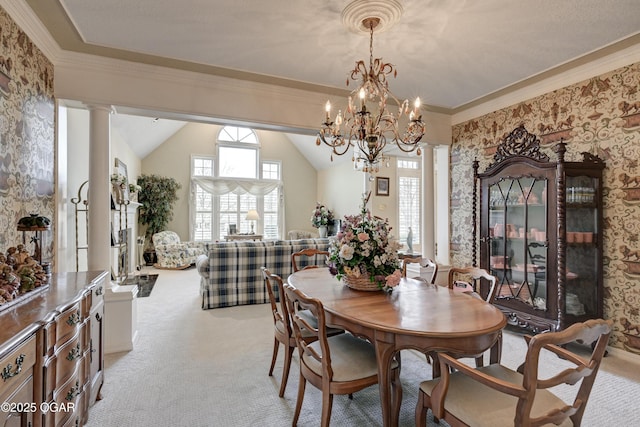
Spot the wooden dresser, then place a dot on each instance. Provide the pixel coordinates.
(51, 353)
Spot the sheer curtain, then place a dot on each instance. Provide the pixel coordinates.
(221, 186)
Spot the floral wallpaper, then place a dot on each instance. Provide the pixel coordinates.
(27, 149)
(600, 116)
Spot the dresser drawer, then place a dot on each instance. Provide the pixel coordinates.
(67, 357)
(97, 294)
(67, 323)
(16, 366)
(67, 399)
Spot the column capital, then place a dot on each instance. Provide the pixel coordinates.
(101, 107)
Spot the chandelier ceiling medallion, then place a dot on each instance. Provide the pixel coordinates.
(368, 125)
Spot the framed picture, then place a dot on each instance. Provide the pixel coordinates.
(232, 229)
(121, 168)
(382, 186)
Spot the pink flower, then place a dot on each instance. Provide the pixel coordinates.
(363, 236)
(393, 279)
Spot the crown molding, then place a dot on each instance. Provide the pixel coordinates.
(28, 22)
(558, 78)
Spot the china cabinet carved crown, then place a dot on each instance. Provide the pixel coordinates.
(540, 233)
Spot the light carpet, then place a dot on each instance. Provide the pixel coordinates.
(191, 367)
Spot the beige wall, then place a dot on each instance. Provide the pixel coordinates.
(340, 188)
(172, 159)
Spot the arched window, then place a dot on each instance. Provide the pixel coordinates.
(233, 183)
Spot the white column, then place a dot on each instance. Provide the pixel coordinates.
(99, 238)
(441, 206)
(428, 204)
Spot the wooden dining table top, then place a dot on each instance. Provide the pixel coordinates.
(415, 315)
(413, 307)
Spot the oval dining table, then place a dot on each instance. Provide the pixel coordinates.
(415, 315)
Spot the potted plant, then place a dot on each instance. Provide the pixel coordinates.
(157, 195)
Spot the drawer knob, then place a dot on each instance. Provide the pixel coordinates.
(73, 392)
(74, 353)
(98, 317)
(74, 319)
(8, 372)
(99, 290)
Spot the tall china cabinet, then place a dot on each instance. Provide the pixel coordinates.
(540, 233)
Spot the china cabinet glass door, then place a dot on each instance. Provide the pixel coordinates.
(518, 249)
(582, 246)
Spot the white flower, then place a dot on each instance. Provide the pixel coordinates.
(346, 252)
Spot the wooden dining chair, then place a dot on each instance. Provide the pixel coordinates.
(467, 280)
(283, 332)
(306, 254)
(424, 263)
(496, 396)
(339, 364)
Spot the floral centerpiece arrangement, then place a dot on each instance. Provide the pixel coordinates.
(321, 216)
(364, 254)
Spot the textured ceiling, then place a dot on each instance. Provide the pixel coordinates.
(449, 52)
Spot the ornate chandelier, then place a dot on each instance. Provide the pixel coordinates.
(368, 125)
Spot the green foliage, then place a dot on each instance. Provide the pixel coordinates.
(157, 196)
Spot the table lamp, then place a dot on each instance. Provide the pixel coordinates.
(252, 215)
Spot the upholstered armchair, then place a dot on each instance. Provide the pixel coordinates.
(174, 254)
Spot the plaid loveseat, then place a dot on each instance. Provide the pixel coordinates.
(230, 272)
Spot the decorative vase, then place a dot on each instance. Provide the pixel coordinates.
(322, 230)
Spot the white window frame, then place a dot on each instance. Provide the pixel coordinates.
(242, 224)
(414, 173)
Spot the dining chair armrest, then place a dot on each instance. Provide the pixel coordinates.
(559, 351)
(562, 353)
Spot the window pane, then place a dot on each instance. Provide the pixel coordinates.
(270, 226)
(204, 200)
(407, 164)
(238, 162)
(270, 170)
(247, 202)
(409, 208)
(224, 220)
(246, 135)
(203, 226)
(270, 215)
(202, 167)
(236, 134)
(228, 202)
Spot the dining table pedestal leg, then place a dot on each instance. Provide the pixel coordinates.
(390, 400)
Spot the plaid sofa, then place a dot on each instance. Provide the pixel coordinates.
(230, 273)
